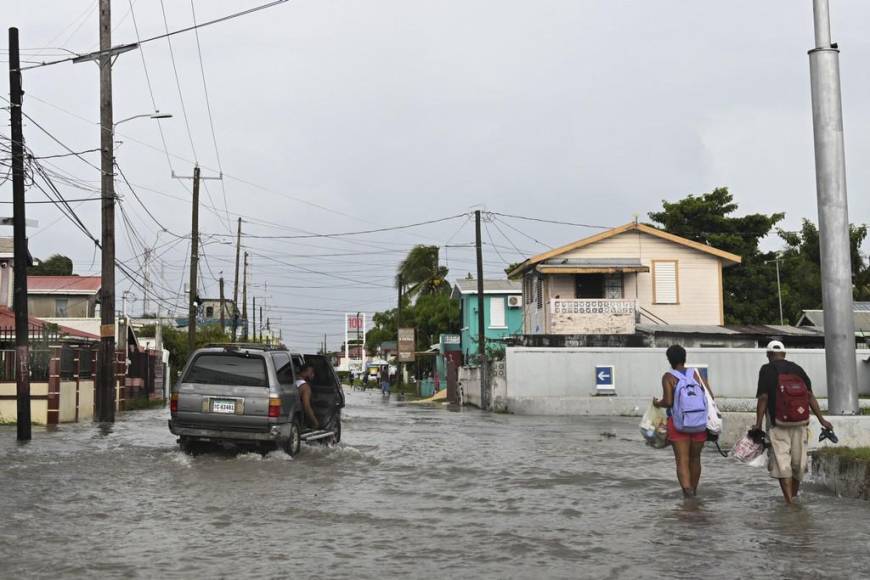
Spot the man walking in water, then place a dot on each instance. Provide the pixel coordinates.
(785, 395)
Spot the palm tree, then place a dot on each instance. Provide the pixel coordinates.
(419, 274)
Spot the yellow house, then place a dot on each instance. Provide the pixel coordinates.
(609, 282)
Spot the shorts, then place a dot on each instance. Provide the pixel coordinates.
(674, 435)
(787, 457)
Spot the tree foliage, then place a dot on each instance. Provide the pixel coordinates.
(750, 288)
(420, 274)
(55, 265)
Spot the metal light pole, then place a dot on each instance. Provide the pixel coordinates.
(842, 374)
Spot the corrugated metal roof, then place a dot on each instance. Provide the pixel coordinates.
(816, 318)
(596, 262)
(748, 329)
(862, 306)
(469, 286)
(7, 320)
(63, 284)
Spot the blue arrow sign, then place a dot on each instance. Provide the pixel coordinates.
(604, 376)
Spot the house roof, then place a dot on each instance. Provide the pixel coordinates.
(727, 257)
(469, 286)
(730, 330)
(7, 320)
(816, 318)
(591, 265)
(87, 285)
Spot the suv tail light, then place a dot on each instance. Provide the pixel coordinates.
(173, 403)
(274, 406)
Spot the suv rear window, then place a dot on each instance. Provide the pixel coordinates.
(228, 369)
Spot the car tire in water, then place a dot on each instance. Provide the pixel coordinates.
(293, 444)
(336, 439)
(189, 447)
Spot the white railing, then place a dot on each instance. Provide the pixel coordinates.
(593, 306)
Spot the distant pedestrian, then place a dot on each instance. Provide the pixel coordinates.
(785, 395)
(683, 396)
(385, 380)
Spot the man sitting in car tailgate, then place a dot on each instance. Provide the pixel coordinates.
(303, 378)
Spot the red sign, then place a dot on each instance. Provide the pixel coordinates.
(354, 322)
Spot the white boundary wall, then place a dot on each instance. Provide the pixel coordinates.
(552, 380)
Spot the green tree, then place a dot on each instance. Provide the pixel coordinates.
(55, 265)
(750, 288)
(383, 329)
(175, 341)
(420, 274)
(800, 269)
(433, 315)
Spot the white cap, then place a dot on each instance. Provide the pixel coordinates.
(775, 346)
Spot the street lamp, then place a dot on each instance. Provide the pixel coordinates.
(154, 115)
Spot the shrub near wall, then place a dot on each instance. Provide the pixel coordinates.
(843, 470)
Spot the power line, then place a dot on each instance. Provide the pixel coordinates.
(547, 221)
(168, 34)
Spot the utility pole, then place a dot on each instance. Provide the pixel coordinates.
(836, 263)
(245, 300)
(223, 306)
(236, 282)
(147, 281)
(22, 326)
(481, 330)
(105, 395)
(401, 366)
(261, 323)
(194, 264)
(254, 322)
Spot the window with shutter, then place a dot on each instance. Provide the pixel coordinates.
(496, 312)
(665, 282)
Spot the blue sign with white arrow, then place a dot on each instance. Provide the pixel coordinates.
(604, 377)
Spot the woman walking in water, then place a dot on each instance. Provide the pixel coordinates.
(683, 395)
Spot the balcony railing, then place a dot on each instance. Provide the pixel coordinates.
(593, 306)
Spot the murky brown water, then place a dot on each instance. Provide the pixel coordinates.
(413, 493)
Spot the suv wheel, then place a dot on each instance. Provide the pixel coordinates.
(336, 439)
(294, 442)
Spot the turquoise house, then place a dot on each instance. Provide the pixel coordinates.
(502, 312)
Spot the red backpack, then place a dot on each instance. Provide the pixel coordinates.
(792, 401)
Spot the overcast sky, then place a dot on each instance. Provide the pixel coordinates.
(336, 116)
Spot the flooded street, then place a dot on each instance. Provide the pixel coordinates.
(412, 492)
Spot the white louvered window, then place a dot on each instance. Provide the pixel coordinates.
(496, 312)
(665, 282)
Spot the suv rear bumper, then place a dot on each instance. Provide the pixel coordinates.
(275, 433)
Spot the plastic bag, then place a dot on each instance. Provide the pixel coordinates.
(748, 451)
(714, 417)
(654, 426)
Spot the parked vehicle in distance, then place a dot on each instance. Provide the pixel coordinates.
(246, 395)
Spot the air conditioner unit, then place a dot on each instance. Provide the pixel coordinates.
(515, 301)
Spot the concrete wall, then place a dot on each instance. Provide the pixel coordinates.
(38, 404)
(581, 323)
(545, 380)
(86, 400)
(469, 386)
(67, 402)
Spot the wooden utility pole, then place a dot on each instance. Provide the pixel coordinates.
(223, 306)
(254, 323)
(261, 323)
(236, 281)
(481, 329)
(22, 326)
(194, 264)
(245, 300)
(105, 392)
(401, 366)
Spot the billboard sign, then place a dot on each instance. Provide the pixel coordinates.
(407, 344)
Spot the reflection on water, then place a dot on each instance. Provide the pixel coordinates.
(412, 492)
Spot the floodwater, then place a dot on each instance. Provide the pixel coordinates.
(411, 492)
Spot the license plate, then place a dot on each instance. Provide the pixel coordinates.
(223, 406)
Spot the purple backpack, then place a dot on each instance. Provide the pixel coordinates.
(690, 403)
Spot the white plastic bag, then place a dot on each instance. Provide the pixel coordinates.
(714, 417)
(748, 451)
(653, 426)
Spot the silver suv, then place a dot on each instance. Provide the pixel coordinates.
(246, 395)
